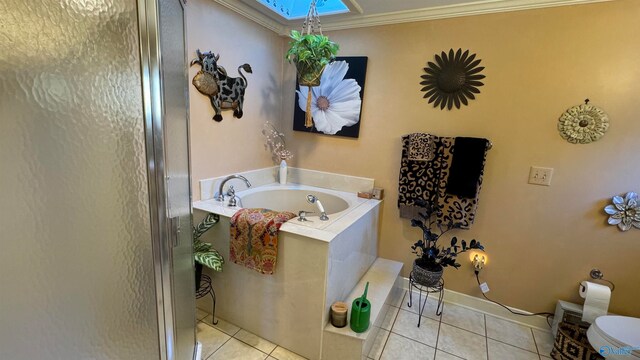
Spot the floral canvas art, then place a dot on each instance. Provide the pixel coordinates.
(337, 103)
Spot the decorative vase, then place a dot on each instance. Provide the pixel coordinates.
(282, 174)
(426, 277)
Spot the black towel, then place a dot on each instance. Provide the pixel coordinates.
(466, 166)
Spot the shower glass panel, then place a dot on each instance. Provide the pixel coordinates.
(80, 276)
(176, 135)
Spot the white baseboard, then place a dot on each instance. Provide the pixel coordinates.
(486, 307)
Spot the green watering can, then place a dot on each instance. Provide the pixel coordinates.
(361, 312)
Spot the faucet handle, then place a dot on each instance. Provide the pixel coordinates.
(232, 196)
(302, 215)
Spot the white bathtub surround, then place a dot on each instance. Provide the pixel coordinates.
(318, 262)
(321, 179)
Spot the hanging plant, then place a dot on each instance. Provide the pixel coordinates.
(310, 51)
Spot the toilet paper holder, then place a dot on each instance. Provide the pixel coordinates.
(596, 274)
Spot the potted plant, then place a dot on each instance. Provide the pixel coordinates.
(433, 258)
(310, 53)
(203, 253)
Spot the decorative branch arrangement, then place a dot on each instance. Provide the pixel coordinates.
(275, 143)
(434, 257)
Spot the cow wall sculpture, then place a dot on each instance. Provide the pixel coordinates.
(225, 92)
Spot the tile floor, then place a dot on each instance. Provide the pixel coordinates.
(460, 333)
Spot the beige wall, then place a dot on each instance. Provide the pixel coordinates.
(232, 145)
(541, 241)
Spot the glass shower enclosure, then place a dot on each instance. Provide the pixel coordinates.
(95, 216)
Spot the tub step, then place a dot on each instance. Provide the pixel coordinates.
(344, 343)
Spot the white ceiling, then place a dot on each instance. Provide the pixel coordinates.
(383, 12)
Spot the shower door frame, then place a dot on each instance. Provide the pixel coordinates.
(163, 231)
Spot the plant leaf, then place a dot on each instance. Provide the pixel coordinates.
(211, 259)
(200, 247)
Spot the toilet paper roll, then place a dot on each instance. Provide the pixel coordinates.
(596, 300)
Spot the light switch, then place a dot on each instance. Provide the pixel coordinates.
(540, 176)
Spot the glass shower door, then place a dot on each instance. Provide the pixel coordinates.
(165, 93)
(77, 277)
(95, 229)
(176, 130)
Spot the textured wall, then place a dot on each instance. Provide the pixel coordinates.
(232, 145)
(541, 241)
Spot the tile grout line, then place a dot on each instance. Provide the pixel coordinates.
(232, 337)
(253, 347)
(448, 353)
(404, 336)
(486, 334)
(392, 325)
(515, 346)
(512, 345)
(438, 334)
(535, 343)
(414, 340)
(218, 349)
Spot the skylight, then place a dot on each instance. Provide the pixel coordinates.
(297, 9)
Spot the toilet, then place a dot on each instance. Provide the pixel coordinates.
(616, 337)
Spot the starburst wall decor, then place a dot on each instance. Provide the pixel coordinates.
(452, 79)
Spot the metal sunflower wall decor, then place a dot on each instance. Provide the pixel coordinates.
(583, 123)
(452, 79)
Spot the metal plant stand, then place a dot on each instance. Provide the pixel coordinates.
(438, 288)
(206, 288)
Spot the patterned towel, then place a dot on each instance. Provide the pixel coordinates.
(422, 147)
(254, 238)
(427, 180)
(418, 178)
(453, 208)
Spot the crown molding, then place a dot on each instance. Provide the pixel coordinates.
(447, 11)
(432, 13)
(254, 15)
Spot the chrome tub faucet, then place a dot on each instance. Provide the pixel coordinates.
(219, 195)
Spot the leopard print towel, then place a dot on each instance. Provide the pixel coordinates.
(421, 147)
(427, 180)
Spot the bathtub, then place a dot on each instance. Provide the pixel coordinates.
(319, 262)
(341, 207)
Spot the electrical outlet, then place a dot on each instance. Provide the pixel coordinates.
(484, 287)
(540, 175)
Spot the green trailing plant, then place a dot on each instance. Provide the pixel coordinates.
(430, 255)
(204, 253)
(310, 53)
